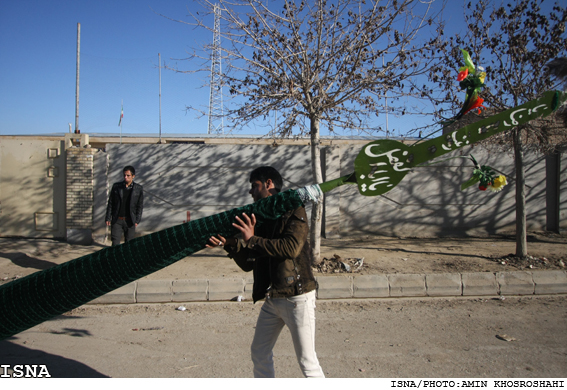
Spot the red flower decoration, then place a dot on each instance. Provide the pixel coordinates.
(463, 75)
(476, 104)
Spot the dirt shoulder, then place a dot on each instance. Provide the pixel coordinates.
(411, 255)
(366, 255)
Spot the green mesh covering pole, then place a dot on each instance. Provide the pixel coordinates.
(38, 297)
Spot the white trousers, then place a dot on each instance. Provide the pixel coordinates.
(298, 313)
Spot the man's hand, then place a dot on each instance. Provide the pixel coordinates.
(215, 242)
(107, 223)
(246, 226)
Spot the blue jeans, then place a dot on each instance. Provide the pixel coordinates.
(298, 313)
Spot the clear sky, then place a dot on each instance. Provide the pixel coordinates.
(120, 42)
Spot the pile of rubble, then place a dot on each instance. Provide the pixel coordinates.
(336, 264)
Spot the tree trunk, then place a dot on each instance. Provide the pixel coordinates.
(521, 231)
(317, 210)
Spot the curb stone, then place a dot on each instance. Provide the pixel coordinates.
(349, 286)
(124, 294)
(190, 290)
(154, 291)
(371, 286)
(334, 287)
(407, 285)
(515, 283)
(221, 289)
(443, 285)
(480, 283)
(550, 282)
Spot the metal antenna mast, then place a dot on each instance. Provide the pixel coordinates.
(216, 113)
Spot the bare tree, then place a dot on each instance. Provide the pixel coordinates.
(514, 41)
(320, 63)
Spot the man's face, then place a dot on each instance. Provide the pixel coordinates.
(128, 178)
(260, 190)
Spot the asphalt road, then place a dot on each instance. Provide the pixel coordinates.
(518, 337)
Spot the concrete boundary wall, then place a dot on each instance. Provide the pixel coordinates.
(429, 200)
(32, 187)
(192, 180)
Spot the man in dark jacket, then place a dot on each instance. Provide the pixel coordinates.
(278, 255)
(125, 205)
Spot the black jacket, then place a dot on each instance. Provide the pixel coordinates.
(116, 198)
(278, 255)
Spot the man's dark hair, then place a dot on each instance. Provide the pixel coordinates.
(129, 168)
(264, 173)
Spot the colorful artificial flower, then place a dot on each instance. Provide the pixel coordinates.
(463, 74)
(475, 104)
(471, 79)
(468, 61)
(486, 177)
(498, 183)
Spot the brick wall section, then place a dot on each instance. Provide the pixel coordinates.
(80, 182)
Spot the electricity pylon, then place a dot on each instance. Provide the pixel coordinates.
(216, 113)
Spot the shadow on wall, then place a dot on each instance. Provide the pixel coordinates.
(429, 201)
(185, 180)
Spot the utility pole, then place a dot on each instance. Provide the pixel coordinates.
(77, 131)
(159, 63)
(216, 113)
(386, 104)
